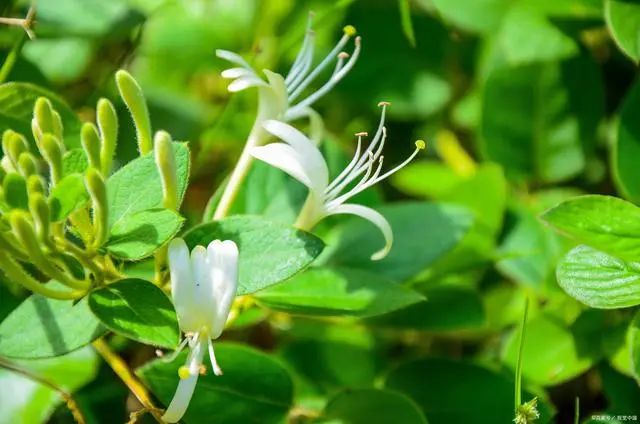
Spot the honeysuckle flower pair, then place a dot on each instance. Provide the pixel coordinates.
(203, 286)
(280, 97)
(300, 157)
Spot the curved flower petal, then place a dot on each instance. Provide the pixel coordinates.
(223, 271)
(276, 82)
(232, 57)
(375, 218)
(203, 305)
(286, 158)
(314, 162)
(186, 386)
(182, 283)
(316, 124)
(244, 82)
(238, 72)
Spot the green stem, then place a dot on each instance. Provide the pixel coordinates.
(518, 389)
(84, 258)
(576, 419)
(12, 57)
(235, 180)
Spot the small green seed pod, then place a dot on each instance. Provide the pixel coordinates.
(133, 97)
(91, 144)
(98, 191)
(166, 162)
(52, 152)
(108, 124)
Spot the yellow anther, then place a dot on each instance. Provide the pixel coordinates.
(184, 373)
(362, 134)
(343, 55)
(420, 144)
(349, 30)
(381, 104)
(203, 369)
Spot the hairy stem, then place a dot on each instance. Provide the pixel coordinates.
(518, 388)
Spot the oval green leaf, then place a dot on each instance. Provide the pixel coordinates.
(458, 392)
(254, 388)
(373, 406)
(422, 232)
(269, 252)
(623, 21)
(606, 223)
(74, 161)
(42, 327)
(138, 235)
(599, 280)
(137, 186)
(137, 309)
(626, 155)
(337, 292)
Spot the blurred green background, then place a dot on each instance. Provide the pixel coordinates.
(523, 103)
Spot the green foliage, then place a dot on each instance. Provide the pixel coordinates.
(254, 385)
(69, 195)
(137, 309)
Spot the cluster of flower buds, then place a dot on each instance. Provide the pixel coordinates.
(36, 180)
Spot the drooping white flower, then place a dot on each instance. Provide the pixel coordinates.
(300, 157)
(203, 286)
(281, 97)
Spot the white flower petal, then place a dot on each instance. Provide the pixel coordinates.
(203, 305)
(186, 386)
(286, 158)
(314, 162)
(234, 73)
(244, 82)
(279, 89)
(233, 58)
(182, 283)
(223, 271)
(375, 218)
(316, 124)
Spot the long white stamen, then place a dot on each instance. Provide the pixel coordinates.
(349, 167)
(349, 31)
(176, 352)
(303, 68)
(352, 176)
(341, 58)
(379, 132)
(212, 357)
(362, 183)
(300, 54)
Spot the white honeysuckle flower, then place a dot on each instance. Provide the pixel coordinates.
(281, 97)
(203, 286)
(300, 157)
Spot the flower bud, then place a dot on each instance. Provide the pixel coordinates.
(15, 190)
(98, 191)
(91, 144)
(108, 124)
(35, 185)
(27, 164)
(166, 163)
(13, 144)
(43, 115)
(133, 97)
(58, 128)
(51, 151)
(40, 213)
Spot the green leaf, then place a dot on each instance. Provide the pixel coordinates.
(74, 161)
(405, 21)
(269, 252)
(24, 400)
(373, 406)
(88, 18)
(606, 223)
(422, 232)
(633, 339)
(138, 235)
(254, 388)
(538, 121)
(623, 21)
(458, 392)
(553, 353)
(15, 191)
(42, 327)
(337, 292)
(599, 280)
(62, 59)
(527, 36)
(447, 308)
(69, 195)
(627, 148)
(16, 110)
(137, 186)
(137, 309)
(473, 15)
